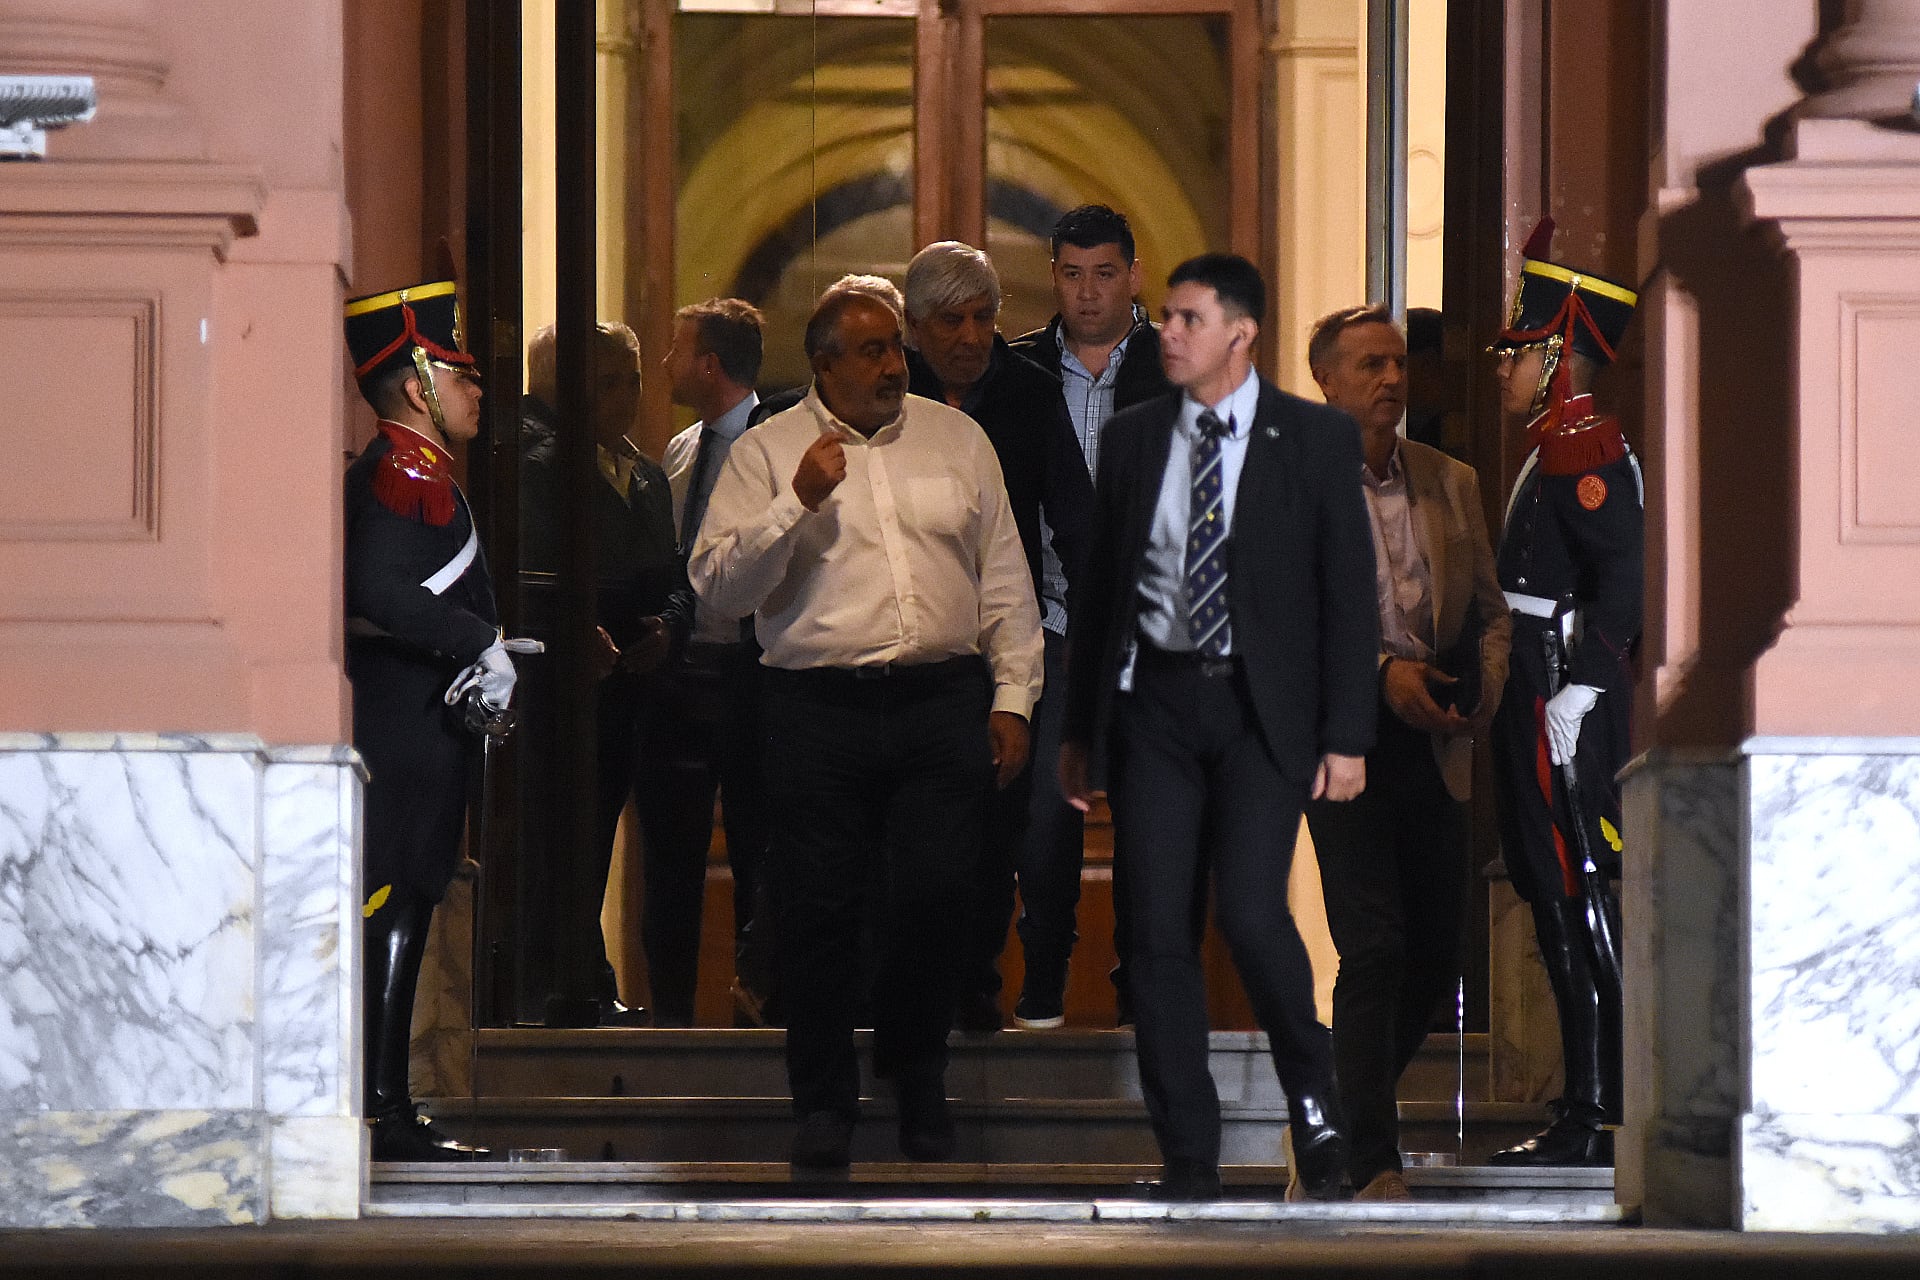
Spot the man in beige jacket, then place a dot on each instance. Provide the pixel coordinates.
(1394, 861)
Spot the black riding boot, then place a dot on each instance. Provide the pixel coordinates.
(1589, 1048)
(396, 940)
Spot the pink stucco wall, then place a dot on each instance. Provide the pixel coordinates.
(171, 400)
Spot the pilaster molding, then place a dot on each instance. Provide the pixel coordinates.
(106, 202)
(119, 44)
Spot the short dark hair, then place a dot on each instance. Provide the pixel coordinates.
(1423, 330)
(1233, 279)
(730, 330)
(387, 391)
(1328, 328)
(1089, 227)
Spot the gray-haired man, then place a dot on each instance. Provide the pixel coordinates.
(953, 299)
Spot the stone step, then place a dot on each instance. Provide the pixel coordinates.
(745, 1191)
(998, 1131)
(1063, 1064)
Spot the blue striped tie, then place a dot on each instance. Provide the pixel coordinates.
(1207, 621)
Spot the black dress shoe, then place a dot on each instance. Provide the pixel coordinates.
(926, 1125)
(977, 1013)
(1183, 1184)
(615, 1014)
(1317, 1151)
(824, 1141)
(1575, 1138)
(410, 1137)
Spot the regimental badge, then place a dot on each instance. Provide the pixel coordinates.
(1592, 492)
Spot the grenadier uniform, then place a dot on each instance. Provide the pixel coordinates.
(1572, 545)
(420, 613)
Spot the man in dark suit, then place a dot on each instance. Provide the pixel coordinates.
(1224, 642)
(644, 609)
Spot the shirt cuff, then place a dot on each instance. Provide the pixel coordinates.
(1015, 698)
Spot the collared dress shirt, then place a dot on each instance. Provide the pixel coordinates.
(1163, 576)
(913, 558)
(1402, 579)
(616, 465)
(1089, 400)
(682, 452)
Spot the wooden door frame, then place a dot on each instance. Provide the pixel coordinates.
(950, 113)
(950, 123)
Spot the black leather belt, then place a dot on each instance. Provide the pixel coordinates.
(1159, 659)
(905, 679)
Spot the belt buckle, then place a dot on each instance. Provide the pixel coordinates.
(877, 671)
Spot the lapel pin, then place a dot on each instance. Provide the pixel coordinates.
(1273, 433)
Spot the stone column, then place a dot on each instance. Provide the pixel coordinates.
(1774, 828)
(180, 932)
(1869, 65)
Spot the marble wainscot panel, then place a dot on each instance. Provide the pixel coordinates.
(1685, 1016)
(177, 969)
(1831, 1135)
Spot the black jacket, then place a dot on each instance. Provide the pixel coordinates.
(1300, 577)
(410, 631)
(1140, 378)
(639, 569)
(1018, 405)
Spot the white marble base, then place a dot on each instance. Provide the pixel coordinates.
(1773, 978)
(179, 950)
(133, 1168)
(1830, 1140)
(1830, 1173)
(1684, 1016)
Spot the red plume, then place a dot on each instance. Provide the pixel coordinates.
(1539, 245)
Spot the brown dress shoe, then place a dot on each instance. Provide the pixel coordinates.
(1387, 1185)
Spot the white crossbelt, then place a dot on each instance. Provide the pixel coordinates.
(1532, 606)
(449, 573)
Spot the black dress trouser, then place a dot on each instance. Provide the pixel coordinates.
(1195, 791)
(879, 786)
(701, 736)
(1393, 866)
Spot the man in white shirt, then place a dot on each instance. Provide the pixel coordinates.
(868, 532)
(711, 720)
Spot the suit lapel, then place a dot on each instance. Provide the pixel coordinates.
(1271, 445)
(1430, 518)
(1154, 450)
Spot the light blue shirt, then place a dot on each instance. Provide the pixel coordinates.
(678, 462)
(1089, 404)
(1163, 576)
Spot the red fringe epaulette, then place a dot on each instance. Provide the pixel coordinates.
(1583, 445)
(413, 481)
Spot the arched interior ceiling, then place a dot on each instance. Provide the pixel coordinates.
(773, 112)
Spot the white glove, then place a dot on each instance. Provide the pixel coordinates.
(1565, 710)
(493, 675)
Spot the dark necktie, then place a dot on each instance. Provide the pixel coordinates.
(1207, 621)
(700, 487)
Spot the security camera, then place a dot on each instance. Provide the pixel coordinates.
(31, 105)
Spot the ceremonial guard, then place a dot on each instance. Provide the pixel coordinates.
(1571, 565)
(429, 671)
